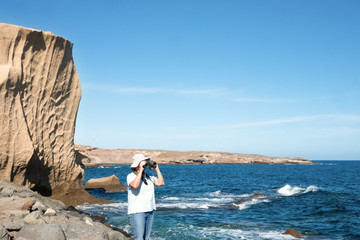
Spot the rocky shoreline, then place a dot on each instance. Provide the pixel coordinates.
(92, 157)
(26, 215)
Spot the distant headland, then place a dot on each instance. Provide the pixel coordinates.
(93, 157)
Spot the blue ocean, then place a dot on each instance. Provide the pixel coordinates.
(321, 201)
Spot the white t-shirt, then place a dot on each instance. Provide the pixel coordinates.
(141, 199)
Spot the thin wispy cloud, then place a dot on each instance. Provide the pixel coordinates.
(336, 132)
(123, 90)
(264, 100)
(326, 117)
(346, 117)
(279, 100)
(155, 90)
(203, 91)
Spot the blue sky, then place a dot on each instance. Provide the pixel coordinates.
(279, 78)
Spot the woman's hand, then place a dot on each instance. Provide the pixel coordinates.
(159, 181)
(141, 166)
(136, 182)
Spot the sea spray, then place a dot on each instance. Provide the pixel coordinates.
(289, 190)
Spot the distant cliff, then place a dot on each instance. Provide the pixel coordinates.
(39, 98)
(89, 156)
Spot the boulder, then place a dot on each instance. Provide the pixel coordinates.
(82, 230)
(38, 206)
(34, 218)
(114, 235)
(15, 203)
(110, 184)
(42, 231)
(39, 94)
(11, 226)
(50, 212)
(293, 233)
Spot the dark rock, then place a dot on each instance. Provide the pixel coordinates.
(240, 201)
(118, 230)
(258, 195)
(98, 218)
(293, 233)
(72, 208)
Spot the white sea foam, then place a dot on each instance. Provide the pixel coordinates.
(216, 193)
(275, 235)
(249, 203)
(172, 198)
(103, 207)
(215, 199)
(311, 188)
(289, 190)
(225, 233)
(182, 205)
(227, 195)
(197, 199)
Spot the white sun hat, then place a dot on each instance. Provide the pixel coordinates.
(137, 158)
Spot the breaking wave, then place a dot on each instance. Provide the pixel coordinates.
(289, 190)
(215, 199)
(249, 203)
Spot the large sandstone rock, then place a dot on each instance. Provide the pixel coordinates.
(110, 184)
(39, 98)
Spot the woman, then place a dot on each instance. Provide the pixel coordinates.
(141, 197)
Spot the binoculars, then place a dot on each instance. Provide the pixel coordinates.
(150, 164)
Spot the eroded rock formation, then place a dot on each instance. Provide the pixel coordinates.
(109, 184)
(39, 98)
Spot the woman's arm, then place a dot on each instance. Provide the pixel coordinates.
(136, 182)
(159, 181)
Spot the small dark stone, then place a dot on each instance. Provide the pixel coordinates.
(119, 230)
(98, 218)
(240, 201)
(258, 195)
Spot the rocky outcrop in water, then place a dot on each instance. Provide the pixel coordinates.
(109, 184)
(25, 214)
(39, 98)
(293, 233)
(89, 156)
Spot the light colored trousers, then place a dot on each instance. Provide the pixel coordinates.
(141, 224)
